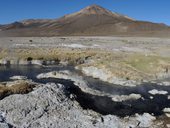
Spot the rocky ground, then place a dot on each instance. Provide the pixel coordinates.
(123, 61)
(48, 106)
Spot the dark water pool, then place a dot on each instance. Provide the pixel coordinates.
(30, 71)
(101, 104)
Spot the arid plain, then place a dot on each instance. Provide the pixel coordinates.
(91, 68)
(132, 58)
(126, 62)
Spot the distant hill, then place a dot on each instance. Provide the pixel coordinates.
(90, 21)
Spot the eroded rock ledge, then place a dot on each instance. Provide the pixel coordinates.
(48, 106)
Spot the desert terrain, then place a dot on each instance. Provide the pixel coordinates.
(104, 82)
(93, 68)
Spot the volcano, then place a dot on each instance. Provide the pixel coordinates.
(93, 20)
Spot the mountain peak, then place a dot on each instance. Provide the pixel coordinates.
(95, 9)
(98, 11)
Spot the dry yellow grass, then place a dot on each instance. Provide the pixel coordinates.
(131, 66)
(19, 88)
(120, 64)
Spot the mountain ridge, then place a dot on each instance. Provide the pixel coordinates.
(93, 20)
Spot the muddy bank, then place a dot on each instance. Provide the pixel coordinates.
(105, 105)
(121, 101)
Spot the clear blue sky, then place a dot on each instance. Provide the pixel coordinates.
(149, 10)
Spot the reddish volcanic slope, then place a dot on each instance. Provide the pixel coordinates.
(92, 20)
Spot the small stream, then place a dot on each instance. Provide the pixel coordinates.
(100, 104)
